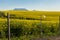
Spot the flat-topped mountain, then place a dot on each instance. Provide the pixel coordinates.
(20, 9)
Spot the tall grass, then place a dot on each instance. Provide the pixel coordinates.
(28, 27)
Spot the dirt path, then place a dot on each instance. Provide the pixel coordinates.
(52, 38)
(56, 38)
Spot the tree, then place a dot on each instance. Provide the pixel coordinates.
(2, 14)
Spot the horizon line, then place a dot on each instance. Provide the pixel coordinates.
(30, 10)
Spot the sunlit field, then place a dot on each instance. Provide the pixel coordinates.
(26, 25)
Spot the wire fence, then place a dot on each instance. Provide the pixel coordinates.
(43, 28)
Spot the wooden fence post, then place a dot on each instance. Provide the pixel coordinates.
(8, 22)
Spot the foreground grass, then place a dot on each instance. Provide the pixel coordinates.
(28, 37)
(29, 24)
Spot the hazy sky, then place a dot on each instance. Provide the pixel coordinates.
(30, 4)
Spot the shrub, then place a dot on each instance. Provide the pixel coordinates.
(21, 28)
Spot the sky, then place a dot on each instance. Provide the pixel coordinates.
(30, 4)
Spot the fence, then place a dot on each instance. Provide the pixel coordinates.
(43, 28)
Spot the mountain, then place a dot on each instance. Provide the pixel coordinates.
(20, 9)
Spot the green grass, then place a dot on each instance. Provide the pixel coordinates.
(34, 14)
(19, 19)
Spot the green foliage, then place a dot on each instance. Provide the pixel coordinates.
(22, 28)
(29, 27)
(2, 14)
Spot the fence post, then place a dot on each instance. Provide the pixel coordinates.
(41, 25)
(59, 26)
(59, 21)
(8, 22)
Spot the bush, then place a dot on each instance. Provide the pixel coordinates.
(21, 28)
(2, 14)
